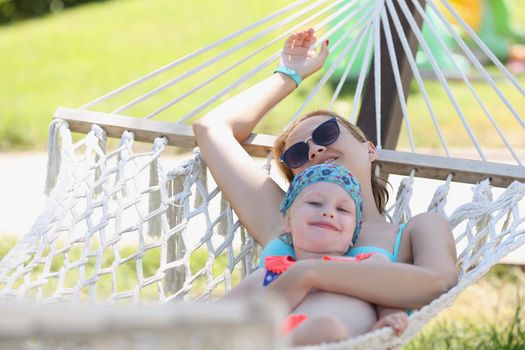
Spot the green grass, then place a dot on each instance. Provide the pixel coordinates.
(73, 57)
(507, 333)
(487, 315)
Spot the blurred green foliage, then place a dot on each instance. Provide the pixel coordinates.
(72, 57)
(15, 10)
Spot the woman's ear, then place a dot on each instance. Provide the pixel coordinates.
(372, 152)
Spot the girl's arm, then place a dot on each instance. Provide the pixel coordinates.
(383, 283)
(253, 195)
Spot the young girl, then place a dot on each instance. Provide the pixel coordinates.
(426, 254)
(323, 214)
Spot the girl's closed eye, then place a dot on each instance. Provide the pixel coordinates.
(344, 210)
(314, 203)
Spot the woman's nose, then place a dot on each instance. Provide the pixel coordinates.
(314, 150)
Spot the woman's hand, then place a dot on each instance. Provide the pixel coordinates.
(397, 321)
(298, 55)
(293, 285)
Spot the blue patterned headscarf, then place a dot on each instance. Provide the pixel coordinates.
(327, 173)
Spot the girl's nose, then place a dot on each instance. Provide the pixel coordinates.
(328, 215)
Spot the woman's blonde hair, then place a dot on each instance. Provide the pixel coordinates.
(378, 184)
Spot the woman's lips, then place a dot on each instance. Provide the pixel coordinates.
(328, 160)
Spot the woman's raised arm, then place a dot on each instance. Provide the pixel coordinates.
(253, 195)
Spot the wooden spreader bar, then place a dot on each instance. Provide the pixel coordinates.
(259, 145)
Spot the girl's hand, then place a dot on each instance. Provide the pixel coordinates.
(298, 55)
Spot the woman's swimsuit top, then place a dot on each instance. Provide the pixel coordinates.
(278, 247)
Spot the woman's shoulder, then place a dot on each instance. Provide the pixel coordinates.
(424, 219)
(427, 225)
(432, 244)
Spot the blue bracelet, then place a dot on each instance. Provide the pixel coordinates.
(290, 73)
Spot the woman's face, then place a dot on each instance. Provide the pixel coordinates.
(322, 219)
(346, 150)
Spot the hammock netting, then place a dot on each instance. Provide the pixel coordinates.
(121, 226)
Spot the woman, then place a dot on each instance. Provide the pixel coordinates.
(426, 253)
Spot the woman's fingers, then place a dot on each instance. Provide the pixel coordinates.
(298, 54)
(300, 40)
(324, 50)
(306, 38)
(398, 322)
(289, 42)
(309, 40)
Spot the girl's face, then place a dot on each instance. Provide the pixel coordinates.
(322, 219)
(346, 150)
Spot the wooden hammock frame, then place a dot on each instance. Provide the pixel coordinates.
(259, 145)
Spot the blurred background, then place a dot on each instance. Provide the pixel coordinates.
(68, 52)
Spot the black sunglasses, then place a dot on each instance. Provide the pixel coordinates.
(325, 134)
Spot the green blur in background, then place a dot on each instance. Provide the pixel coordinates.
(73, 56)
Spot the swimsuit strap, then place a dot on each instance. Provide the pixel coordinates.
(398, 240)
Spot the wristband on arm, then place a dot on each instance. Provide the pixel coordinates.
(290, 73)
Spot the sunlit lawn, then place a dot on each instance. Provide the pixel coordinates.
(73, 57)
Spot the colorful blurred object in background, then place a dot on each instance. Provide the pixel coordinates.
(490, 19)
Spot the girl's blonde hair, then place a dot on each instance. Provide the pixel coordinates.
(378, 184)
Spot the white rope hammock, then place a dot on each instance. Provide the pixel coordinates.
(122, 226)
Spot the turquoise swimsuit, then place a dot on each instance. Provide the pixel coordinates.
(370, 249)
(278, 247)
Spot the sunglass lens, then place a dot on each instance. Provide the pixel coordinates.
(326, 133)
(296, 155)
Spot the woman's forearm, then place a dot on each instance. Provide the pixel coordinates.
(389, 284)
(402, 285)
(242, 112)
